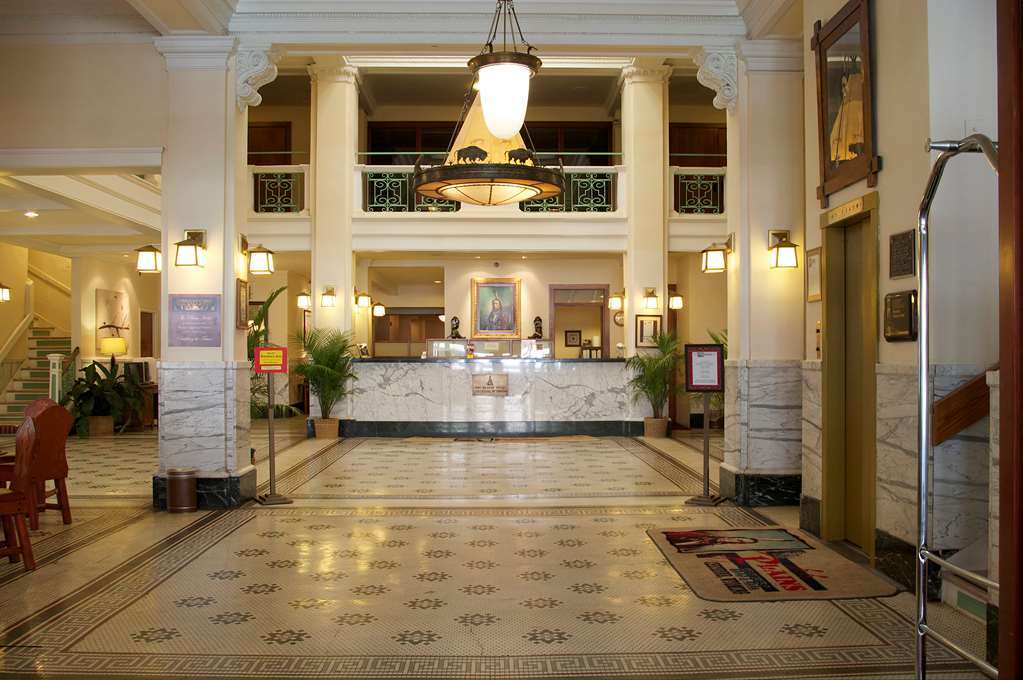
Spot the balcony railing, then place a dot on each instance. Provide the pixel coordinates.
(698, 191)
(389, 189)
(586, 190)
(279, 189)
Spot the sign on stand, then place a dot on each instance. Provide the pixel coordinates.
(705, 373)
(270, 361)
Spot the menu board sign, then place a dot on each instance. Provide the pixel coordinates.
(194, 320)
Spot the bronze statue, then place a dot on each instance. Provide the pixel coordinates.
(537, 329)
(455, 323)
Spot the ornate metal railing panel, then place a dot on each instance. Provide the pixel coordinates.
(584, 192)
(278, 192)
(699, 191)
(391, 191)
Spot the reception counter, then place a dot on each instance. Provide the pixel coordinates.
(438, 397)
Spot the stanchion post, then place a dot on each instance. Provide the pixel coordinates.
(271, 498)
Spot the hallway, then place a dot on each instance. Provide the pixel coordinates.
(416, 558)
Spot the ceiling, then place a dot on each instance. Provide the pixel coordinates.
(394, 278)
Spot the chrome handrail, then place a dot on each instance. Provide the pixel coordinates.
(976, 143)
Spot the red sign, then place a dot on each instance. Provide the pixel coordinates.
(271, 360)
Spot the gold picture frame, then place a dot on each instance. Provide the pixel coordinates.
(241, 293)
(491, 318)
(814, 291)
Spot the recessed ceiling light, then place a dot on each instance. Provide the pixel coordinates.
(438, 282)
(523, 257)
(478, 257)
(31, 214)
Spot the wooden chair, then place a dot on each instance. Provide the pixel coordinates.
(44, 454)
(19, 500)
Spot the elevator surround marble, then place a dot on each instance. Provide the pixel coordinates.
(405, 397)
(763, 432)
(204, 424)
(810, 498)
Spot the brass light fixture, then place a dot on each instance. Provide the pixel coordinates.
(714, 258)
(781, 252)
(261, 261)
(379, 309)
(329, 297)
(650, 298)
(488, 162)
(676, 301)
(363, 300)
(191, 252)
(304, 300)
(616, 302)
(5, 293)
(148, 260)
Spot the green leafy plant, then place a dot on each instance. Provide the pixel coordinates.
(717, 400)
(105, 391)
(259, 332)
(653, 372)
(327, 366)
(720, 338)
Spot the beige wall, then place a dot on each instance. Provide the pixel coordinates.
(53, 288)
(923, 90)
(89, 274)
(585, 318)
(14, 271)
(81, 96)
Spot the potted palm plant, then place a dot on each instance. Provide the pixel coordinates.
(653, 377)
(328, 370)
(104, 399)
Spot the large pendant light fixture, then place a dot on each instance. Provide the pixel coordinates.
(488, 162)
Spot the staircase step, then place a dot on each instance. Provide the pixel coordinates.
(16, 409)
(26, 396)
(29, 386)
(30, 373)
(50, 342)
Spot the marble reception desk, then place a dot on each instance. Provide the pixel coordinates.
(410, 397)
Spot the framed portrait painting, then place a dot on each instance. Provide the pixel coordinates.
(496, 308)
(845, 109)
(648, 327)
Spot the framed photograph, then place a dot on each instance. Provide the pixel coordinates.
(573, 338)
(705, 368)
(496, 308)
(241, 289)
(902, 255)
(845, 110)
(648, 327)
(813, 275)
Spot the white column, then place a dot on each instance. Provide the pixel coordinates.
(645, 151)
(761, 86)
(335, 127)
(204, 384)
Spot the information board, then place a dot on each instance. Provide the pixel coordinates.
(705, 368)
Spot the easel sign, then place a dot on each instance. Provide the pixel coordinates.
(271, 360)
(705, 374)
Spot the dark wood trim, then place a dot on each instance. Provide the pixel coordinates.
(1010, 247)
(605, 318)
(961, 408)
(671, 320)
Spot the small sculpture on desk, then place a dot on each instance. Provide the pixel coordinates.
(537, 329)
(455, 323)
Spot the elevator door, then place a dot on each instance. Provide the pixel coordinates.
(860, 357)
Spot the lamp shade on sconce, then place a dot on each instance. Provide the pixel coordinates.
(328, 298)
(5, 293)
(148, 260)
(616, 302)
(190, 252)
(304, 300)
(650, 299)
(714, 259)
(363, 300)
(114, 347)
(261, 261)
(379, 310)
(676, 301)
(783, 255)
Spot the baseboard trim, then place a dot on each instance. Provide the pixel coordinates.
(760, 490)
(212, 493)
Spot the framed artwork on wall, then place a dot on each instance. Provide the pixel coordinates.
(845, 108)
(648, 327)
(241, 289)
(813, 275)
(496, 308)
(113, 316)
(902, 255)
(573, 338)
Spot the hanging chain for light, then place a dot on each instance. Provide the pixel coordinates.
(504, 19)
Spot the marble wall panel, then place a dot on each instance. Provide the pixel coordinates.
(812, 425)
(763, 406)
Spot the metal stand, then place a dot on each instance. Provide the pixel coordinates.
(272, 498)
(973, 144)
(706, 498)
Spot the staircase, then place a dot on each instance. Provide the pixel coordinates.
(32, 381)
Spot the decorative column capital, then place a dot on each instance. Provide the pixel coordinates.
(195, 52)
(646, 74)
(334, 72)
(719, 70)
(256, 66)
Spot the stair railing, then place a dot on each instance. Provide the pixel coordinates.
(975, 143)
(17, 334)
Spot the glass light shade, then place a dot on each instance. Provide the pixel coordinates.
(489, 193)
(676, 302)
(363, 300)
(190, 253)
(782, 255)
(261, 261)
(616, 303)
(650, 299)
(504, 93)
(328, 299)
(714, 260)
(5, 293)
(379, 310)
(304, 300)
(148, 260)
(115, 346)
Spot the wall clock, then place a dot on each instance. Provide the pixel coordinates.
(619, 318)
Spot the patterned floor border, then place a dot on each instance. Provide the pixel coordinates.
(40, 643)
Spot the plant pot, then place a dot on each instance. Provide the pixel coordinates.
(101, 426)
(327, 428)
(656, 428)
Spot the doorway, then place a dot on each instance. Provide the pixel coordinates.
(579, 321)
(147, 332)
(850, 314)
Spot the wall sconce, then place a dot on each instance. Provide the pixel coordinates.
(781, 252)
(329, 298)
(650, 298)
(714, 258)
(676, 301)
(113, 347)
(363, 300)
(148, 260)
(304, 300)
(616, 302)
(5, 293)
(379, 309)
(192, 251)
(261, 261)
